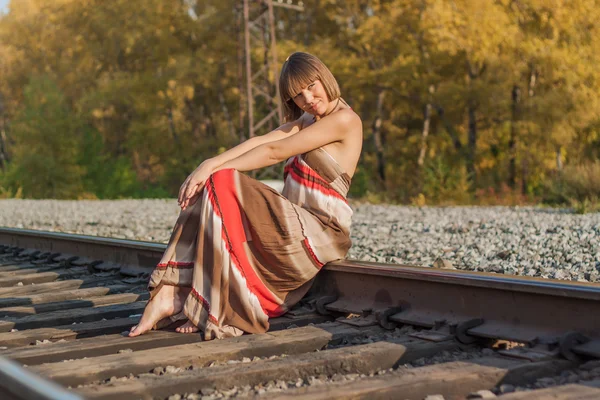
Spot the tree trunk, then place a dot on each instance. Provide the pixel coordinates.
(3, 147)
(512, 143)
(227, 115)
(472, 144)
(525, 162)
(473, 73)
(425, 133)
(532, 81)
(377, 136)
(559, 163)
(172, 126)
(424, 57)
(525, 175)
(449, 129)
(309, 17)
(3, 140)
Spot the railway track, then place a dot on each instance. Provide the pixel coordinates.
(365, 331)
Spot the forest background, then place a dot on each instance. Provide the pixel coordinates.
(463, 101)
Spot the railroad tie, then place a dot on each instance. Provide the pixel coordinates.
(451, 379)
(365, 331)
(113, 344)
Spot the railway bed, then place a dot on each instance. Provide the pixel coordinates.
(364, 331)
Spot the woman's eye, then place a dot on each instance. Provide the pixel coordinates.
(311, 85)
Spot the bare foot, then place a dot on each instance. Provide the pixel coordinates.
(168, 301)
(188, 327)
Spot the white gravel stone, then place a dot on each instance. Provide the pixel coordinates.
(481, 394)
(528, 241)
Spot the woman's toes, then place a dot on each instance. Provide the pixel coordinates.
(188, 327)
(133, 331)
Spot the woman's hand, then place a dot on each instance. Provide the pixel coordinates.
(192, 186)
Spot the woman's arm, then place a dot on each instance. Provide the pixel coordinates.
(195, 181)
(282, 132)
(334, 128)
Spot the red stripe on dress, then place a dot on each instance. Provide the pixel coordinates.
(205, 305)
(315, 181)
(224, 200)
(312, 253)
(176, 264)
(307, 170)
(310, 184)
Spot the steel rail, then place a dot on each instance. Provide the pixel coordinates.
(462, 303)
(145, 255)
(20, 384)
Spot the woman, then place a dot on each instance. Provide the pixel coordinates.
(240, 252)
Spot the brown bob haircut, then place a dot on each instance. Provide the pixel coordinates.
(298, 71)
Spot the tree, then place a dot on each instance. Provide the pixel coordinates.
(46, 145)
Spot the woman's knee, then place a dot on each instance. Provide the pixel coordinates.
(223, 180)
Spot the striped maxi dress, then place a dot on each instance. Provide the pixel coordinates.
(249, 253)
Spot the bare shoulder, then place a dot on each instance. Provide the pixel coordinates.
(349, 121)
(349, 118)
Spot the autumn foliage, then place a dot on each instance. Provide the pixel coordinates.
(489, 102)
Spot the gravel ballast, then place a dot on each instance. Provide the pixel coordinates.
(530, 241)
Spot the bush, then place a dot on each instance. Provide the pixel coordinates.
(577, 186)
(502, 196)
(46, 147)
(360, 183)
(444, 184)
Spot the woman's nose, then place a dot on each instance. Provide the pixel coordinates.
(308, 98)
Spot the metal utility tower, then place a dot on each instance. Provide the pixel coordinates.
(262, 88)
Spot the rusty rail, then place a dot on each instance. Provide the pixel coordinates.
(467, 305)
(89, 286)
(20, 384)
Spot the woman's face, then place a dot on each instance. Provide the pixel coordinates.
(313, 99)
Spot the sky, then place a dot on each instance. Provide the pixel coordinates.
(4, 5)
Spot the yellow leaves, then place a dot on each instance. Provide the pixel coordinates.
(418, 201)
(174, 92)
(482, 29)
(151, 59)
(487, 163)
(107, 112)
(188, 92)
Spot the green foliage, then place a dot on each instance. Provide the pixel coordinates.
(142, 91)
(586, 206)
(46, 146)
(360, 183)
(443, 184)
(105, 178)
(577, 186)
